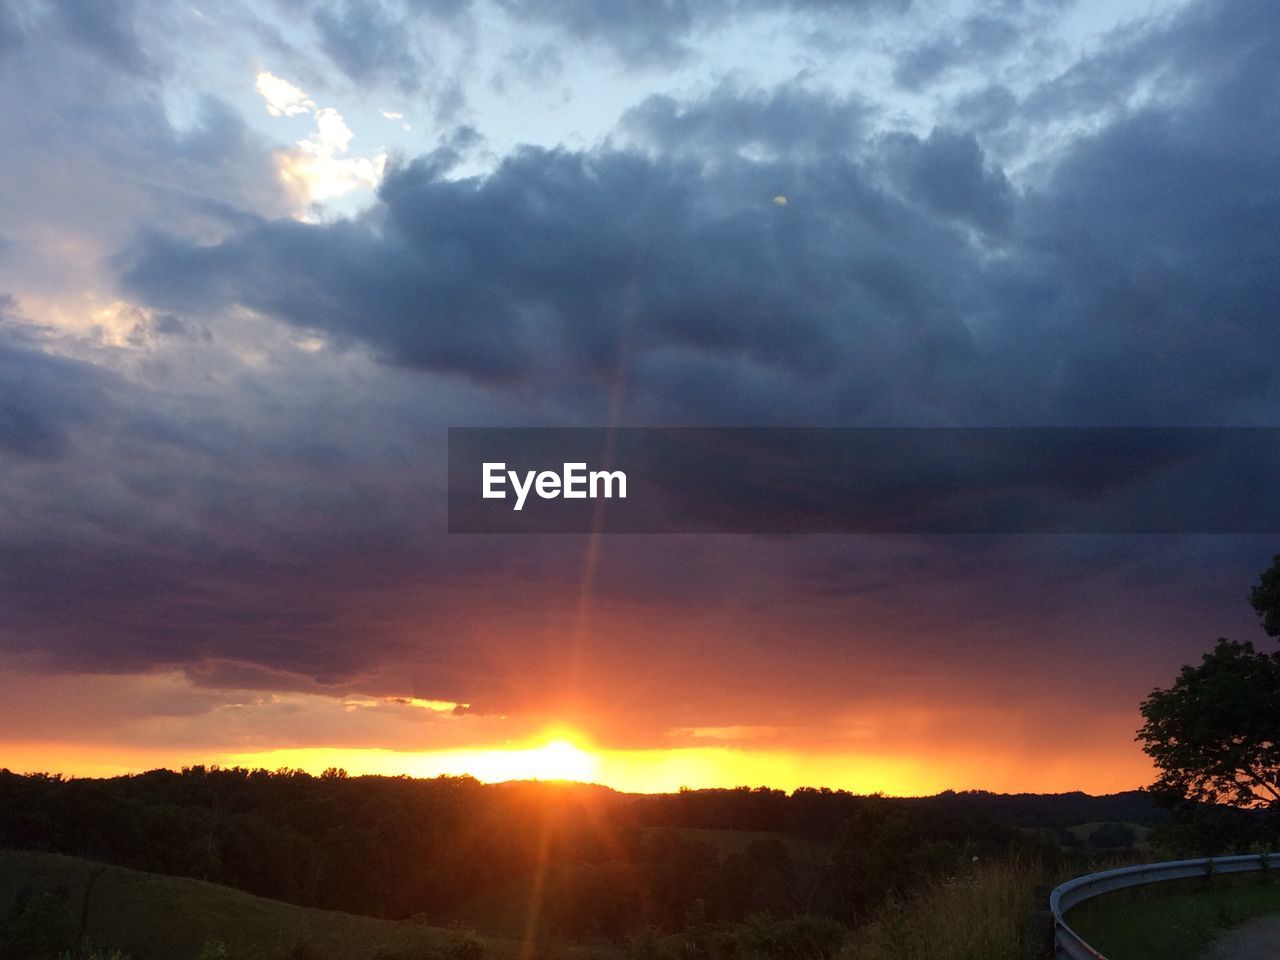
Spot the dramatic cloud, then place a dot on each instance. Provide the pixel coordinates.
(905, 279)
(222, 427)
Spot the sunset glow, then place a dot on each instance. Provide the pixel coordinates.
(553, 760)
(631, 771)
(260, 267)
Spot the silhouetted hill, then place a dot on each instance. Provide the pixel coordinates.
(1056, 811)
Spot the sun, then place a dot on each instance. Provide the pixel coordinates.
(555, 758)
(561, 760)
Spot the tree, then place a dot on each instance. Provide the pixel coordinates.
(1215, 734)
(1265, 598)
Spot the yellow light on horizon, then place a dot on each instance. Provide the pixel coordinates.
(556, 759)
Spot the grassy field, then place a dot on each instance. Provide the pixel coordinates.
(154, 917)
(1172, 921)
(981, 915)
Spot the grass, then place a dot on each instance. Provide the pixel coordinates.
(979, 916)
(154, 917)
(1177, 920)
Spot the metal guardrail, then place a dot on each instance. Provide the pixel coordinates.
(1069, 945)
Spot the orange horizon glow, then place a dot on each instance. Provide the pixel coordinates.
(122, 724)
(569, 758)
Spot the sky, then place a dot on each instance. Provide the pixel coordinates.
(255, 259)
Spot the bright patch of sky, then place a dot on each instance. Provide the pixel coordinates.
(319, 167)
(282, 98)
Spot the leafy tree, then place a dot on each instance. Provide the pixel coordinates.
(1265, 598)
(1215, 734)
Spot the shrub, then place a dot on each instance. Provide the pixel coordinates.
(39, 928)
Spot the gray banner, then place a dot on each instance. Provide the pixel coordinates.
(920, 481)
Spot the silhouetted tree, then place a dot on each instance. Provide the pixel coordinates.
(1265, 598)
(1215, 734)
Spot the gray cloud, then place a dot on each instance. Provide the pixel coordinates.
(105, 29)
(44, 397)
(787, 121)
(91, 151)
(863, 293)
(949, 175)
(978, 41)
(574, 265)
(368, 42)
(364, 38)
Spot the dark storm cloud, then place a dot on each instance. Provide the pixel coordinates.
(1135, 286)
(565, 264)
(552, 232)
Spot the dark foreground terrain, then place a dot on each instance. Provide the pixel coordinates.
(285, 864)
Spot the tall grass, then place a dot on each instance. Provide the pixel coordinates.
(981, 915)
